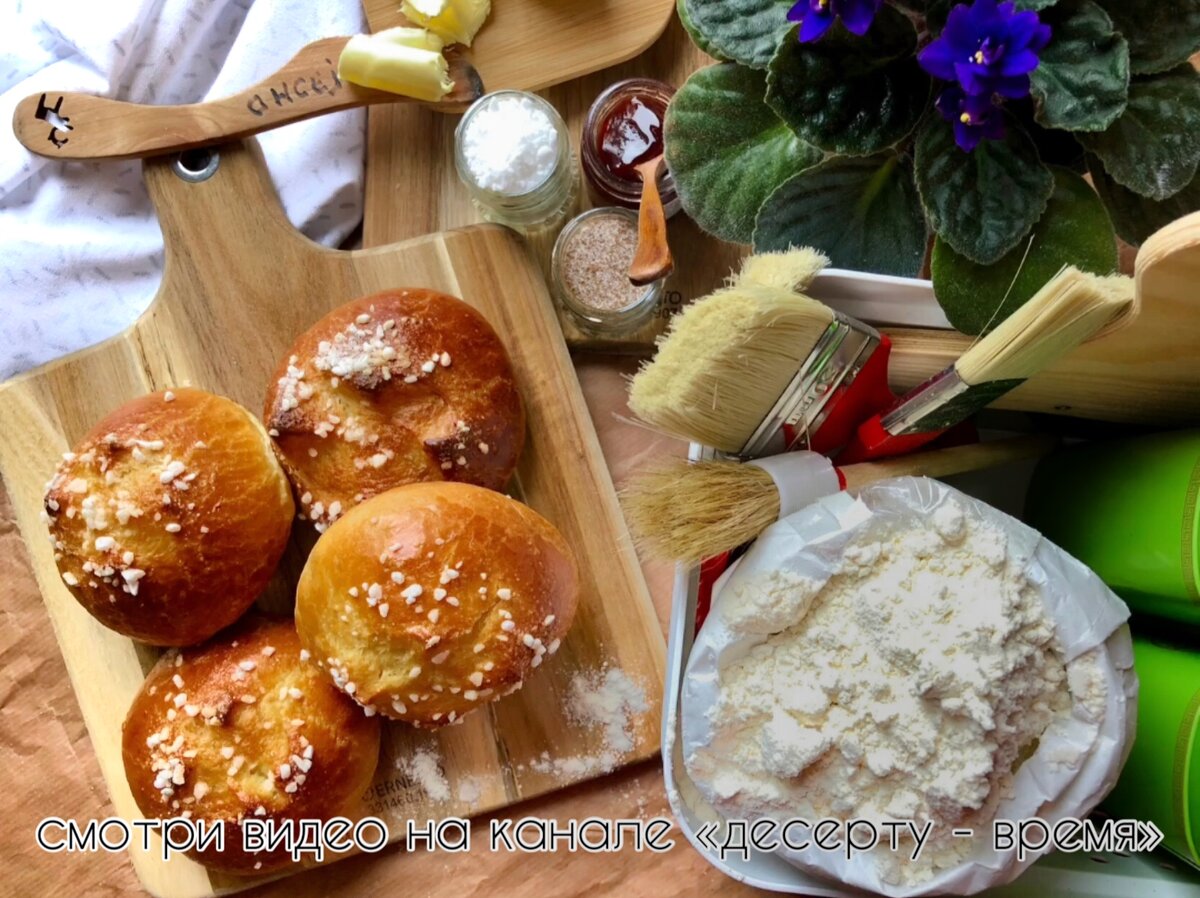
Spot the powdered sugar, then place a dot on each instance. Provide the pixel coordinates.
(510, 144)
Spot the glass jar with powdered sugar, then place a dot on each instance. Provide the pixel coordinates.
(513, 153)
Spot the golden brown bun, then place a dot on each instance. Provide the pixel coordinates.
(169, 518)
(400, 387)
(246, 721)
(497, 591)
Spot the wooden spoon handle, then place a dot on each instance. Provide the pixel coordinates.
(82, 126)
(947, 462)
(652, 259)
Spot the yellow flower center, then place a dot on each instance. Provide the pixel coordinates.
(979, 56)
(965, 118)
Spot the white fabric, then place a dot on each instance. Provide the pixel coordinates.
(80, 247)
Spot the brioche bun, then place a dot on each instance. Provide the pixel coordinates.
(400, 387)
(169, 518)
(433, 599)
(244, 727)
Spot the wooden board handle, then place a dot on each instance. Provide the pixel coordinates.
(947, 462)
(65, 125)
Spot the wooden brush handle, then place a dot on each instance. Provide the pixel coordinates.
(947, 462)
(65, 125)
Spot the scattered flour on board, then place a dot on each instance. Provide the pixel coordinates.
(469, 791)
(607, 700)
(424, 768)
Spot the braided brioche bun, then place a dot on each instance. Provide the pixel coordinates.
(395, 388)
(433, 599)
(244, 727)
(169, 518)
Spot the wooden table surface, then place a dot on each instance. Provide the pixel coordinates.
(47, 766)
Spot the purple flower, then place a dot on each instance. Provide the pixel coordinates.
(975, 117)
(817, 16)
(988, 48)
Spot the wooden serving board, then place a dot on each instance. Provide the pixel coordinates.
(240, 283)
(531, 44)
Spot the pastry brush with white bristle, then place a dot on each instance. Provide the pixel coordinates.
(757, 368)
(790, 269)
(689, 511)
(1072, 307)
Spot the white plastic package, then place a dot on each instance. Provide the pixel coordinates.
(1075, 762)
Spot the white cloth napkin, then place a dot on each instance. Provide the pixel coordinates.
(80, 247)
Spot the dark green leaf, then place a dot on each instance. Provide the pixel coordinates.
(1135, 217)
(1034, 4)
(981, 203)
(745, 31)
(1074, 231)
(1161, 34)
(935, 16)
(1054, 147)
(1154, 147)
(683, 9)
(727, 151)
(864, 213)
(850, 95)
(1082, 83)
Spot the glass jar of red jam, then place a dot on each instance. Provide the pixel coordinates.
(624, 127)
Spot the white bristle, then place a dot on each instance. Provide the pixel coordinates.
(1072, 307)
(725, 361)
(792, 269)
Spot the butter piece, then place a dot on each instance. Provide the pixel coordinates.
(404, 61)
(456, 21)
(417, 38)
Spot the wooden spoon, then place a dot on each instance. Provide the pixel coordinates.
(652, 260)
(81, 126)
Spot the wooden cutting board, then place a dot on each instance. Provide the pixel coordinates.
(239, 285)
(531, 44)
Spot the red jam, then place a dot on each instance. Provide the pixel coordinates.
(624, 127)
(631, 134)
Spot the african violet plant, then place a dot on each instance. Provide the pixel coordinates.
(858, 126)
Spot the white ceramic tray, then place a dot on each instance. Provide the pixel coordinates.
(880, 299)
(1156, 875)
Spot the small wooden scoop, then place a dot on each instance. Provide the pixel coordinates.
(82, 126)
(652, 260)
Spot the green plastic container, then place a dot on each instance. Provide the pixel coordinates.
(1128, 510)
(1161, 779)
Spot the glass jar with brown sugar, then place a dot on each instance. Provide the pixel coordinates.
(590, 272)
